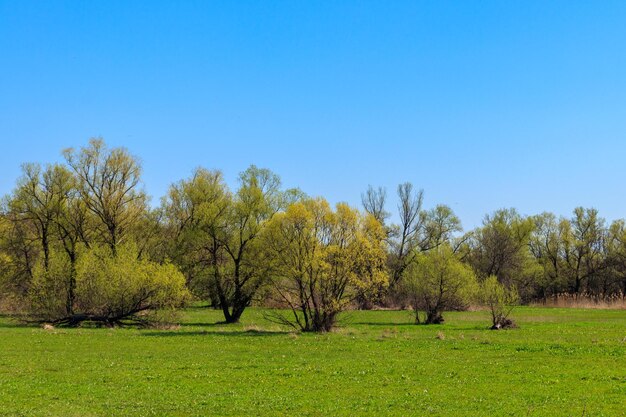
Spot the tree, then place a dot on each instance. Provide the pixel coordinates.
(33, 214)
(194, 211)
(37, 201)
(419, 230)
(408, 232)
(217, 233)
(440, 225)
(108, 182)
(546, 245)
(583, 249)
(373, 201)
(500, 300)
(501, 248)
(616, 259)
(322, 260)
(436, 282)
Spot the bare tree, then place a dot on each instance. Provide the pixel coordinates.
(411, 223)
(374, 200)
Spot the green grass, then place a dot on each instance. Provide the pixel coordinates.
(559, 363)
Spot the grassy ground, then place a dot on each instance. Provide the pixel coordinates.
(559, 363)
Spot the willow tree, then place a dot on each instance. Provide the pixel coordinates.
(323, 259)
(217, 234)
(109, 182)
(438, 281)
(419, 230)
(33, 216)
(502, 247)
(195, 211)
(38, 200)
(584, 249)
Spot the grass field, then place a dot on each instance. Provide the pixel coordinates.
(561, 362)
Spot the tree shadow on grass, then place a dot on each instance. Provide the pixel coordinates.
(202, 324)
(381, 323)
(16, 324)
(10, 321)
(409, 325)
(243, 333)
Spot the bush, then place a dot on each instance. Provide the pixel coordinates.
(48, 291)
(110, 290)
(500, 300)
(438, 281)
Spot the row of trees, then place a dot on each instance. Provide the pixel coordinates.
(79, 242)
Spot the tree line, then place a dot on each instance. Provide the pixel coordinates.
(80, 242)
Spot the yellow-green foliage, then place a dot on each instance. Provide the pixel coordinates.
(109, 288)
(499, 299)
(49, 287)
(324, 259)
(122, 285)
(439, 281)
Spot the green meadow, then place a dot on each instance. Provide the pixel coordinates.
(559, 362)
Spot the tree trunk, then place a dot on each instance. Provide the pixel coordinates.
(434, 317)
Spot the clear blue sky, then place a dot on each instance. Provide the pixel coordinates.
(483, 104)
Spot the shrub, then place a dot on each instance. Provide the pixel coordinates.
(438, 281)
(500, 300)
(111, 290)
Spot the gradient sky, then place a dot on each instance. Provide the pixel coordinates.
(483, 104)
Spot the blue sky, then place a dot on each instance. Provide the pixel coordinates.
(482, 104)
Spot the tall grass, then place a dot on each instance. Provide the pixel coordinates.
(616, 301)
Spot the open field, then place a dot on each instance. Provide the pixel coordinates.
(559, 363)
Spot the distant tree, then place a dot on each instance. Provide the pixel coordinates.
(440, 227)
(373, 201)
(438, 281)
(546, 245)
(615, 273)
(583, 249)
(322, 260)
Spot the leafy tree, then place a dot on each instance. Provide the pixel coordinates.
(195, 210)
(501, 247)
(500, 300)
(440, 227)
(37, 201)
(546, 245)
(109, 186)
(32, 218)
(583, 249)
(615, 276)
(436, 282)
(322, 260)
(19, 253)
(419, 230)
(216, 233)
(257, 200)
